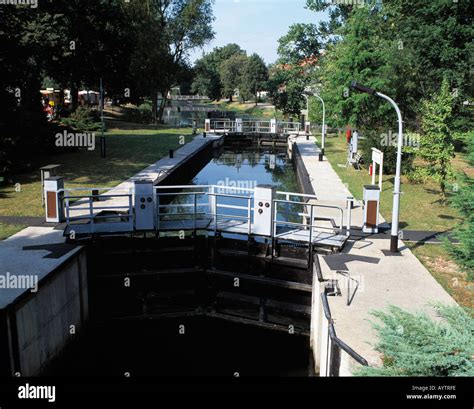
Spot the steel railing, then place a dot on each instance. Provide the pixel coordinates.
(330, 363)
(90, 208)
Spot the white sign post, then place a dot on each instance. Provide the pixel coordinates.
(377, 159)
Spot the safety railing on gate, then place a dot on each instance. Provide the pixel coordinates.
(213, 199)
(256, 126)
(79, 208)
(289, 127)
(331, 346)
(301, 199)
(223, 125)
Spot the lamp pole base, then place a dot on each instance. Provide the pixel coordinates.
(394, 244)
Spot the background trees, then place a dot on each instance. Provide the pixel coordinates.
(138, 48)
(225, 69)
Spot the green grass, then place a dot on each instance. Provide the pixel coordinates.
(444, 269)
(128, 152)
(420, 208)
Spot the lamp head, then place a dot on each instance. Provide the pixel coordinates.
(361, 88)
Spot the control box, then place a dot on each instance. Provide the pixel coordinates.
(53, 199)
(371, 205)
(144, 205)
(263, 210)
(273, 125)
(239, 126)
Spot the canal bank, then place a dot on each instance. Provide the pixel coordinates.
(369, 277)
(239, 313)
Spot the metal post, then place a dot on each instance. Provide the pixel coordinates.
(323, 131)
(103, 152)
(396, 188)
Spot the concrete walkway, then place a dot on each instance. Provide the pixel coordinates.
(41, 249)
(383, 278)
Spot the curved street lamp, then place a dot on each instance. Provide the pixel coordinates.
(310, 91)
(396, 188)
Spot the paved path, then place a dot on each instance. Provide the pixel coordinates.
(384, 278)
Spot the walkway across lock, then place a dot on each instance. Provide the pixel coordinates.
(259, 212)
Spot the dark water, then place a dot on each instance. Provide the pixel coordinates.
(207, 346)
(245, 167)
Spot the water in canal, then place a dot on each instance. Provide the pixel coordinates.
(198, 346)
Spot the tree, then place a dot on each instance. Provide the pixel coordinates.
(254, 77)
(165, 31)
(436, 142)
(207, 80)
(302, 41)
(230, 74)
(416, 345)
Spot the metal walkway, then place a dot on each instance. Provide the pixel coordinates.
(271, 127)
(279, 216)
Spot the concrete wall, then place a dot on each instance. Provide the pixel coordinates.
(39, 325)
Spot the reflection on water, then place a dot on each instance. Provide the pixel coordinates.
(238, 171)
(206, 347)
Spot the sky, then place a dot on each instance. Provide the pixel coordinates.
(256, 25)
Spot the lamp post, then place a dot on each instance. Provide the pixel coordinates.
(323, 131)
(396, 188)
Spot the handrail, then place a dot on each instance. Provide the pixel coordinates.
(332, 333)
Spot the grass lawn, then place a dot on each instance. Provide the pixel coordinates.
(128, 152)
(419, 204)
(419, 210)
(439, 262)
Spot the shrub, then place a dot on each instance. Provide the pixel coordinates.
(416, 345)
(463, 252)
(83, 119)
(373, 139)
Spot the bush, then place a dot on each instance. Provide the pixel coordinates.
(374, 139)
(142, 114)
(463, 252)
(146, 113)
(83, 119)
(416, 345)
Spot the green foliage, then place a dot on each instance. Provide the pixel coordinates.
(463, 200)
(207, 80)
(254, 76)
(286, 86)
(436, 143)
(416, 345)
(143, 114)
(83, 119)
(386, 142)
(301, 41)
(231, 72)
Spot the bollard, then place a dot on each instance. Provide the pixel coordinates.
(320, 156)
(204, 134)
(171, 153)
(95, 195)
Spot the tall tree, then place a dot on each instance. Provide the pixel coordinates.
(436, 145)
(207, 80)
(166, 30)
(231, 72)
(255, 76)
(301, 42)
